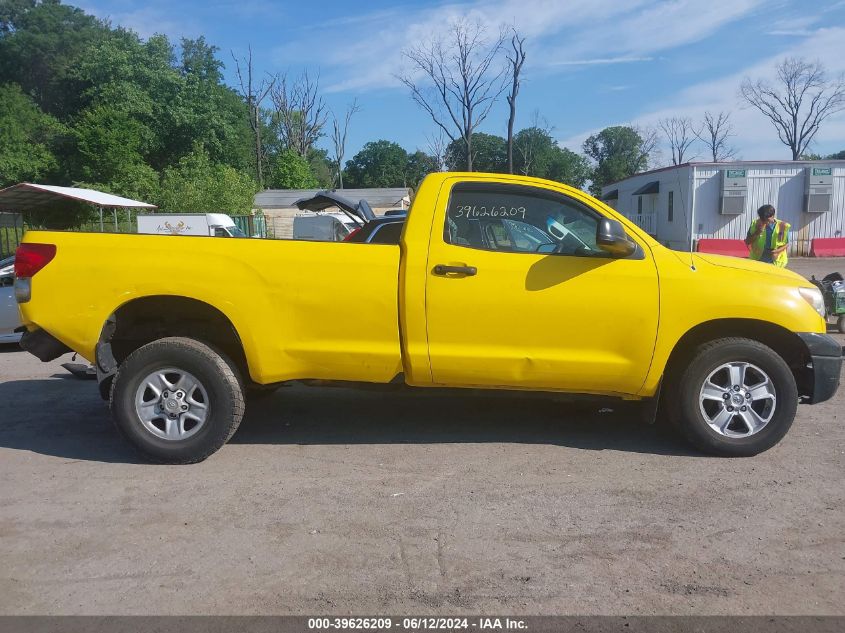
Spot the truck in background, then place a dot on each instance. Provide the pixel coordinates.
(208, 224)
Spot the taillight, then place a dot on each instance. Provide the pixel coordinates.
(31, 257)
(349, 235)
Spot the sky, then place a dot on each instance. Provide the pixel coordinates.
(590, 63)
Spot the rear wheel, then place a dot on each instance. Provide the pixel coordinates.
(736, 398)
(177, 400)
(840, 323)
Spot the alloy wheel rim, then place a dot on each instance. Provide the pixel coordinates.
(737, 399)
(172, 404)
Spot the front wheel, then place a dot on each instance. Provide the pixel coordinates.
(177, 400)
(840, 324)
(736, 398)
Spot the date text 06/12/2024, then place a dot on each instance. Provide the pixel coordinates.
(417, 623)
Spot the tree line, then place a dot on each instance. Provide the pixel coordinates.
(86, 103)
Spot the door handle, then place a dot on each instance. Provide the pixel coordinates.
(442, 269)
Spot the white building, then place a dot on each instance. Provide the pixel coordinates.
(693, 201)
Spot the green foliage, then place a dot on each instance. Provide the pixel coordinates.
(289, 170)
(107, 139)
(198, 185)
(27, 138)
(60, 215)
(386, 164)
(322, 167)
(618, 152)
(568, 167)
(419, 166)
(817, 156)
(489, 154)
(378, 164)
(82, 102)
(536, 153)
(41, 45)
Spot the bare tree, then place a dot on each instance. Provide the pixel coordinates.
(254, 93)
(339, 130)
(714, 133)
(436, 146)
(516, 59)
(798, 103)
(460, 80)
(300, 110)
(649, 153)
(680, 134)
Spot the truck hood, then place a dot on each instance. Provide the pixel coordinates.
(359, 211)
(750, 265)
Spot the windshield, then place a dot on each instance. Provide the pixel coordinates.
(236, 232)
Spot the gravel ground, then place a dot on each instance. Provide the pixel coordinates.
(337, 501)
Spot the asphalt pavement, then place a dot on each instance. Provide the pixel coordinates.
(340, 501)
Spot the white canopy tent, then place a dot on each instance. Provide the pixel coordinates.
(28, 196)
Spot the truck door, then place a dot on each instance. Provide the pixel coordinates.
(519, 295)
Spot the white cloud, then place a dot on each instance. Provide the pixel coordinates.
(755, 135)
(562, 34)
(600, 61)
(146, 21)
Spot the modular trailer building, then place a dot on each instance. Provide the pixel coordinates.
(682, 204)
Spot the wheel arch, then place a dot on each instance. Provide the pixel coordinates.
(787, 344)
(142, 320)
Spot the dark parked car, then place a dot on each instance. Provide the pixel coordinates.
(380, 230)
(372, 229)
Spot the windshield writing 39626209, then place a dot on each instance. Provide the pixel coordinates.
(493, 211)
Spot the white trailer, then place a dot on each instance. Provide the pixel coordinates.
(208, 224)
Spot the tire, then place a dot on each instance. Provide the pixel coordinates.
(770, 407)
(207, 378)
(840, 324)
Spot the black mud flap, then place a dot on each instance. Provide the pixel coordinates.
(44, 346)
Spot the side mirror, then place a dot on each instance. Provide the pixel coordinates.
(611, 238)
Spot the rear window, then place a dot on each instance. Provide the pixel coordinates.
(387, 234)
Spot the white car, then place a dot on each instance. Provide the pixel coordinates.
(10, 318)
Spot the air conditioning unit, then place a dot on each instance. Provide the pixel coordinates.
(734, 192)
(818, 192)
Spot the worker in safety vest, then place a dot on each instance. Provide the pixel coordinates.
(768, 237)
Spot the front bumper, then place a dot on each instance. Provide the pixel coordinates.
(825, 366)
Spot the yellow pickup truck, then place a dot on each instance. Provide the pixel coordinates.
(497, 282)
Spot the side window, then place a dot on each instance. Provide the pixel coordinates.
(519, 219)
(218, 232)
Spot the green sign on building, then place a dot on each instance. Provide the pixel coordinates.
(822, 171)
(736, 173)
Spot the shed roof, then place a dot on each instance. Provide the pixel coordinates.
(728, 164)
(25, 196)
(286, 198)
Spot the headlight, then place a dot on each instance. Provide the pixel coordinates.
(813, 296)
